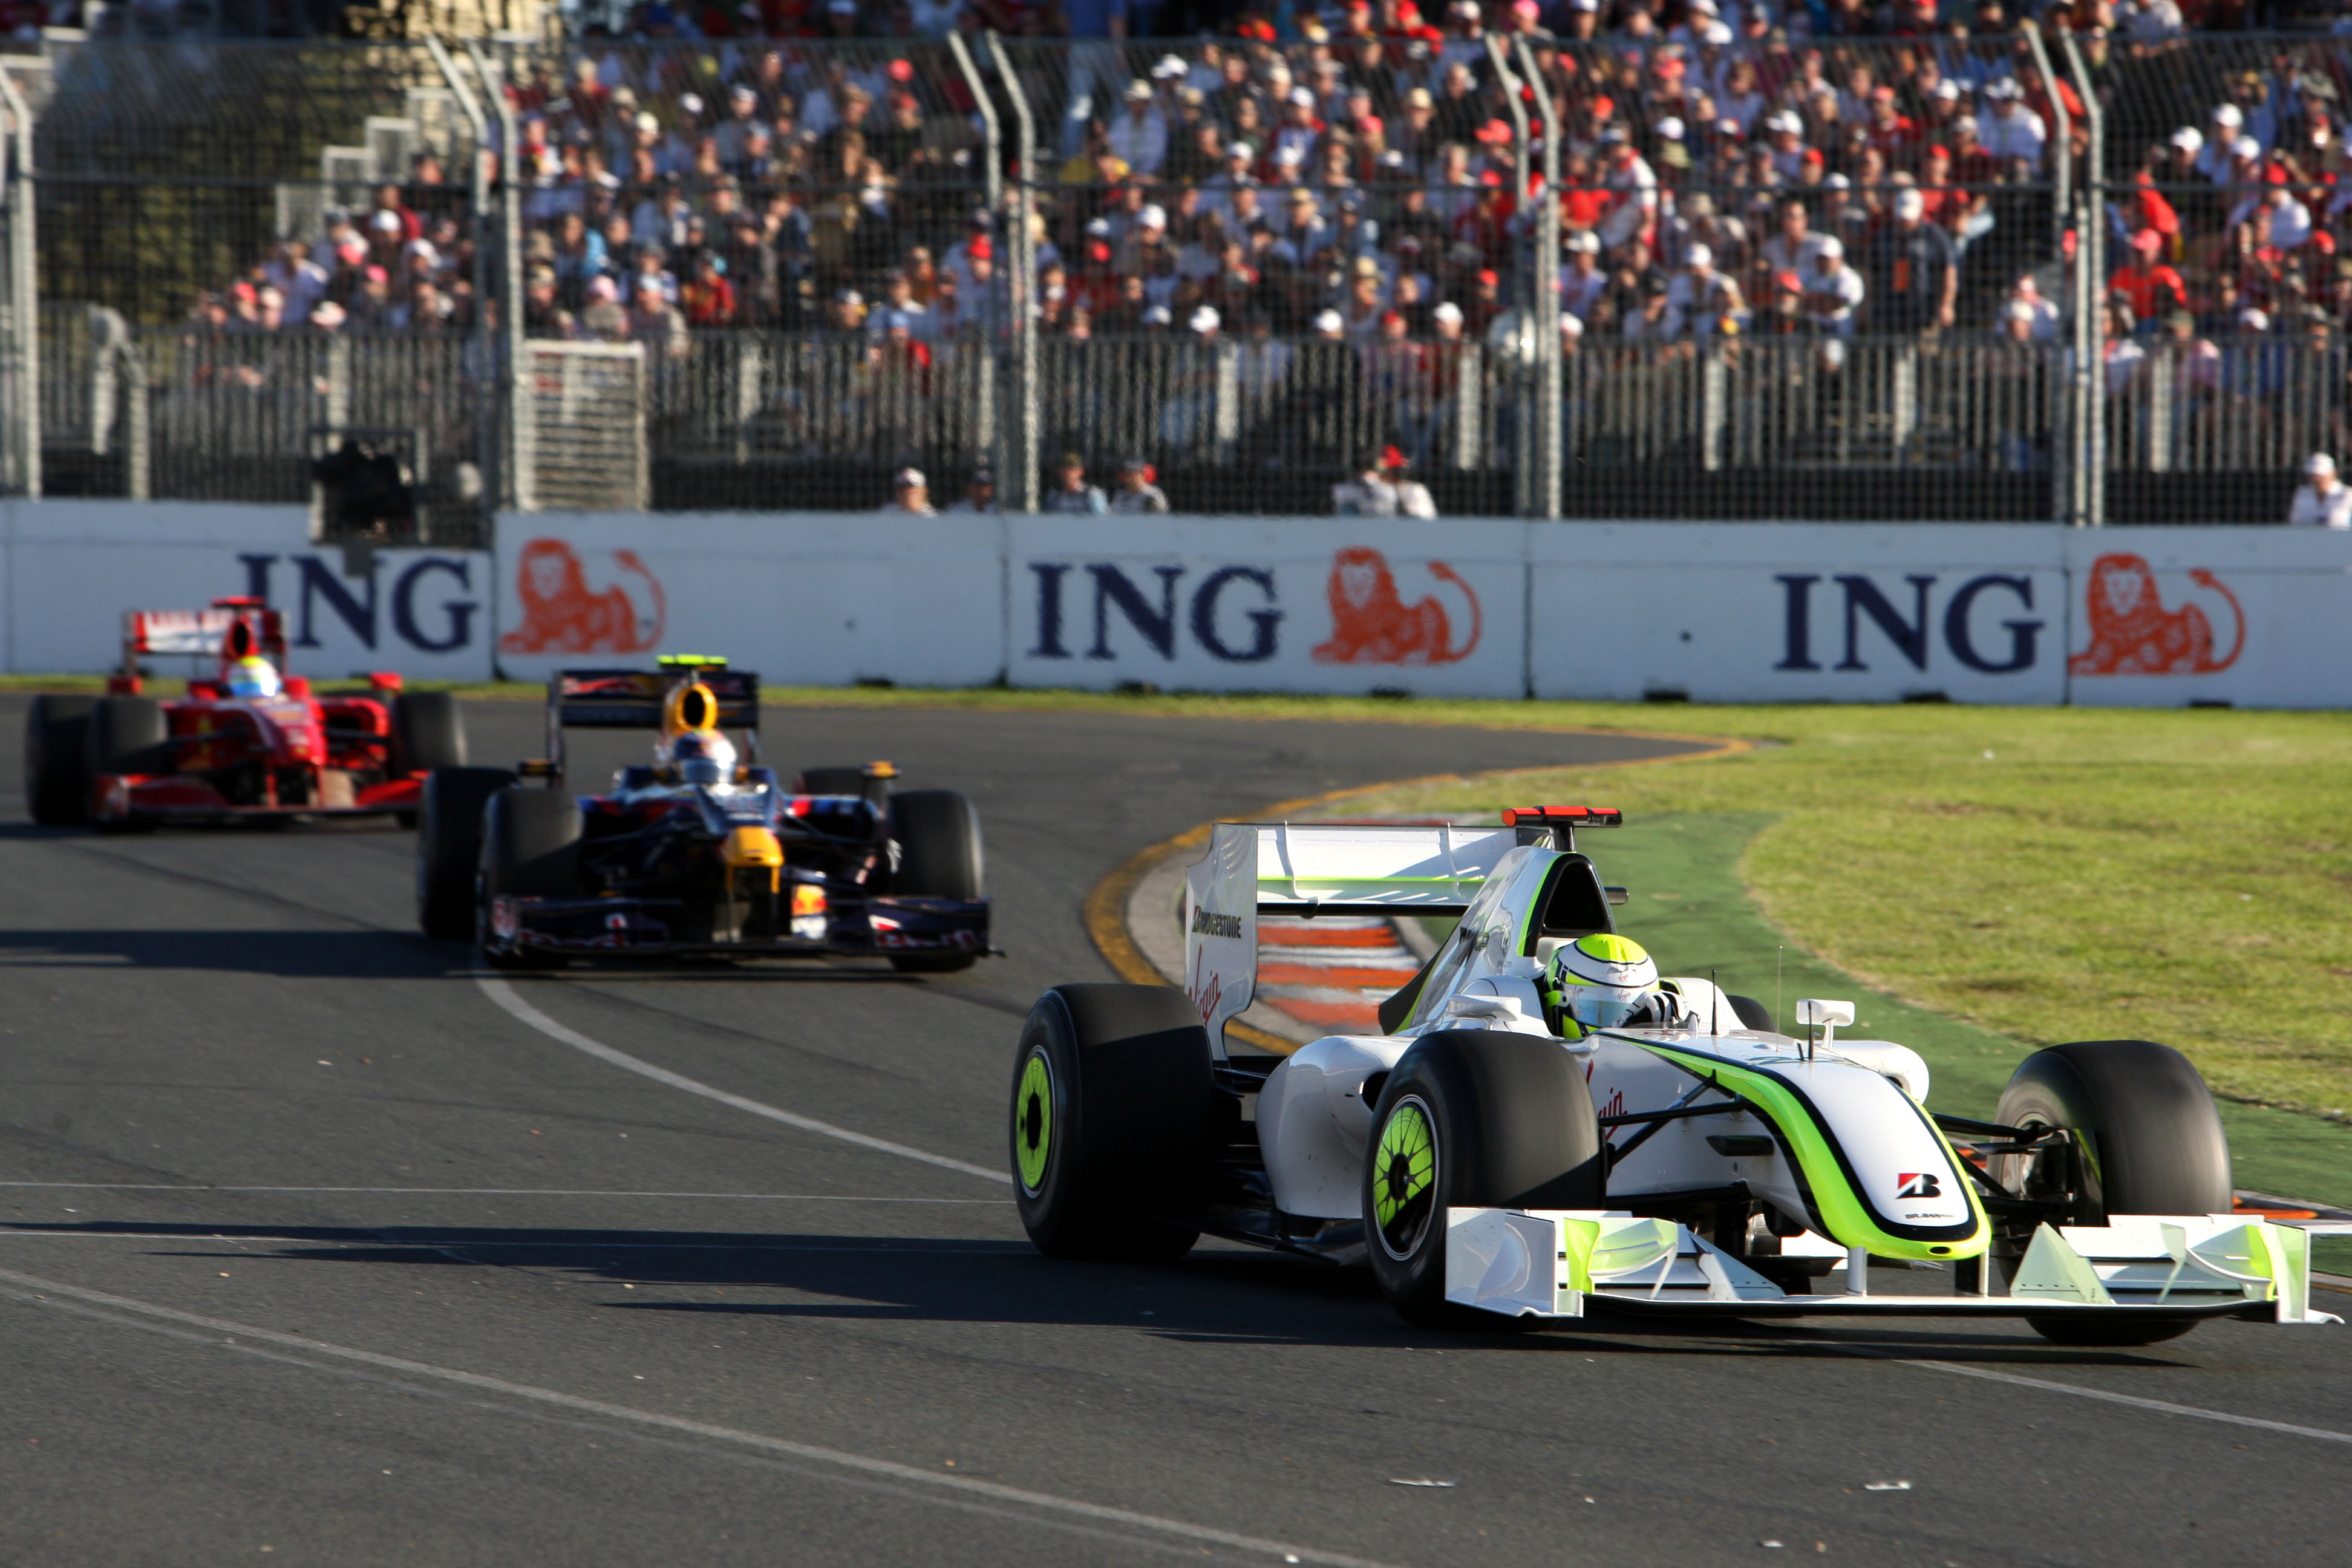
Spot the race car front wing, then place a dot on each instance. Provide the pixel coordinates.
(875, 927)
(1553, 1263)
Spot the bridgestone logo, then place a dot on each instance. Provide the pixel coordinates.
(1208, 922)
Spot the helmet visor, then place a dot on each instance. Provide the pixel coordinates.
(1600, 1006)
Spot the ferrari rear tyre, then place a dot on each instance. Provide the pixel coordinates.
(449, 847)
(1110, 1125)
(427, 733)
(57, 760)
(2152, 1143)
(530, 848)
(1471, 1118)
(937, 835)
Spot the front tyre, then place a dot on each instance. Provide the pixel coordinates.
(530, 848)
(937, 835)
(2150, 1142)
(57, 760)
(1471, 1118)
(1110, 1123)
(427, 733)
(449, 847)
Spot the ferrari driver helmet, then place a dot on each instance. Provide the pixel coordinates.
(1603, 980)
(253, 678)
(703, 757)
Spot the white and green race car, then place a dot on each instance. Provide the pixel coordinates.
(1491, 1152)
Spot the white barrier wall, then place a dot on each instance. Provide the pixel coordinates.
(1718, 612)
(69, 569)
(805, 599)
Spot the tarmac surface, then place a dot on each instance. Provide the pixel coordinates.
(316, 1248)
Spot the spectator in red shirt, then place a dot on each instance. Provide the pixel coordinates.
(708, 297)
(2154, 288)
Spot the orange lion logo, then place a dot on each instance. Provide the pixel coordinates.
(2132, 634)
(561, 616)
(1371, 625)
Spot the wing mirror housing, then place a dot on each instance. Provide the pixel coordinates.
(1819, 1013)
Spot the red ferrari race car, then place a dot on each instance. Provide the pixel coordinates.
(247, 743)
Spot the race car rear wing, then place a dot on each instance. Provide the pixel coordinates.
(633, 698)
(232, 629)
(1291, 868)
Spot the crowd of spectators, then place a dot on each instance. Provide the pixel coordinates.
(1355, 175)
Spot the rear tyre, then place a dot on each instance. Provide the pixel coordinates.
(2152, 1144)
(427, 733)
(530, 848)
(937, 835)
(57, 760)
(1471, 1118)
(1110, 1125)
(128, 735)
(1753, 1015)
(449, 847)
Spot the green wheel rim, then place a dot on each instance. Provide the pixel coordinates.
(1404, 1177)
(1033, 1121)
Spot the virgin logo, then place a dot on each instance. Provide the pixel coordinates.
(1372, 624)
(561, 613)
(2132, 634)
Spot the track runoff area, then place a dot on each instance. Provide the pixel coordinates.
(316, 1242)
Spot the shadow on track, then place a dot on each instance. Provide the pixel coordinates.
(1216, 1296)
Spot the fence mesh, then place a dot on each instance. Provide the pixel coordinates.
(1808, 278)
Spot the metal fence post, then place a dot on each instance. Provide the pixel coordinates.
(1026, 420)
(23, 298)
(2065, 457)
(2091, 252)
(1549, 362)
(507, 343)
(1524, 480)
(485, 415)
(1019, 285)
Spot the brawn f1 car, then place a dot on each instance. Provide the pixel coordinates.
(702, 851)
(247, 743)
(1513, 1143)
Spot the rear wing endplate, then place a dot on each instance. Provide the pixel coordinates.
(1286, 869)
(632, 698)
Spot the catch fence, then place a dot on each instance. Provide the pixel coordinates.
(1860, 279)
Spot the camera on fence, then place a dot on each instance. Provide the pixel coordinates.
(364, 493)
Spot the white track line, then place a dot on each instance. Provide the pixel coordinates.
(31, 1289)
(491, 1243)
(499, 992)
(498, 1193)
(2164, 1406)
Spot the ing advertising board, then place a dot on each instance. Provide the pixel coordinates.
(1346, 606)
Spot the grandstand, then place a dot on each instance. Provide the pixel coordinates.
(1591, 258)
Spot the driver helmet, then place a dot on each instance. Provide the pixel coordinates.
(1600, 979)
(253, 678)
(703, 757)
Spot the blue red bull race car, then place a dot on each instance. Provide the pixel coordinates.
(248, 743)
(702, 851)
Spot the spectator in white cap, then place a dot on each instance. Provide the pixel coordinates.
(909, 492)
(1700, 301)
(1139, 134)
(2014, 132)
(1582, 283)
(1834, 291)
(2213, 160)
(2323, 501)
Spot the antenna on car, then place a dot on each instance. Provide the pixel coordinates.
(1713, 1004)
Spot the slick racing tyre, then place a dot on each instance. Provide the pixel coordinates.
(1110, 1123)
(530, 848)
(1471, 1118)
(427, 733)
(128, 735)
(449, 847)
(57, 760)
(1753, 1015)
(2152, 1143)
(937, 835)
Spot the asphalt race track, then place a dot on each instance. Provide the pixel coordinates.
(314, 1250)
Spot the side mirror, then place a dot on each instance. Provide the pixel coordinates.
(1617, 895)
(1814, 1012)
